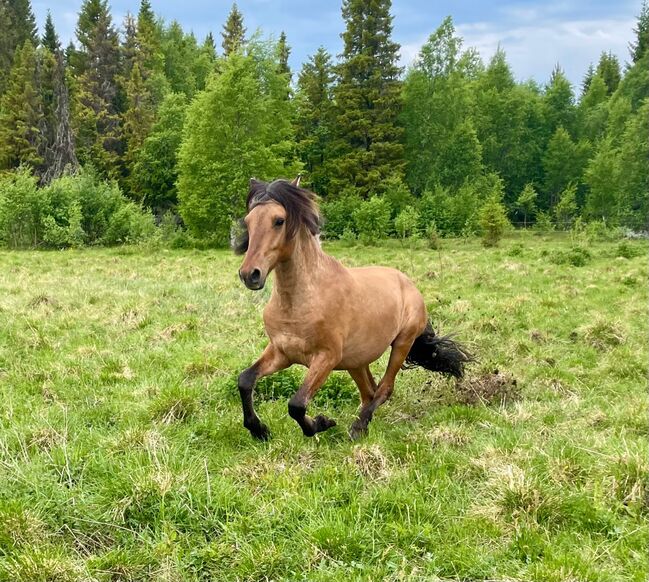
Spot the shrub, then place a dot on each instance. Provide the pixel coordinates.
(338, 214)
(372, 219)
(71, 211)
(407, 222)
(398, 195)
(128, 224)
(22, 209)
(493, 221)
(543, 222)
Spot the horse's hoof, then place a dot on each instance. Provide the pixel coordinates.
(323, 422)
(357, 431)
(260, 432)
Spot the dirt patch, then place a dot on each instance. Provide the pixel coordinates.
(490, 388)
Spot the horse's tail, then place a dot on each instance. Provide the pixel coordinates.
(438, 354)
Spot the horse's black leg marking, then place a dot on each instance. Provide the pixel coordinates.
(310, 426)
(247, 380)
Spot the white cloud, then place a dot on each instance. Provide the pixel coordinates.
(535, 44)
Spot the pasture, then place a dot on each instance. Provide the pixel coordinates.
(123, 456)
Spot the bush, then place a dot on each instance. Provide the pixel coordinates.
(493, 221)
(407, 222)
(398, 195)
(577, 256)
(372, 219)
(338, 214)
(543, 222)
(71, 211)
(22, 208)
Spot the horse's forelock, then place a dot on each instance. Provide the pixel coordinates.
(299, 203)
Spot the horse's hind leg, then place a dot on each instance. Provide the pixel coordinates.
(400, 348)
(271, 361)
(365, 382)
(318, 371)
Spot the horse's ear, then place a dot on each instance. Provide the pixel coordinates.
(296, 182)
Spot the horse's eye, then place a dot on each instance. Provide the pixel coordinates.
(279, 222)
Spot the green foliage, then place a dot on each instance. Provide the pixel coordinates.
(238, 128)
(442, 146)
(526, 202)
(367, 143)
(338, 214)
(372, 219)
(70, 211)
(20, 113)
(156, 171)
(314, 118)
(566, 209)
(493, 221)
(407, 222)
(233, 32)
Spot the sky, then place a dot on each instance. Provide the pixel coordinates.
(535, 34)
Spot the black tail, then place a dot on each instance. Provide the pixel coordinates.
(438, 354)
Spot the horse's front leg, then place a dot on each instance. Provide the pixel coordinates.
(271, 361)
(320, 367)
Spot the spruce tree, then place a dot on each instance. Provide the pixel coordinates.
(233, 32)
(608, 69)
(368, 143)
(23, 22)
(17, 25)
(21, 112)
(559, 102)
(50, 39)
(313, 125)
(638, 48)
(283, 52)
(97, 118)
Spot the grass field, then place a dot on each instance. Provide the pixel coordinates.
(123, 457)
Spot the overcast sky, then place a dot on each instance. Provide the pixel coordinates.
(534, 34)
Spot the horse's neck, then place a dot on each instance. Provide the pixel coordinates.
(297, 279)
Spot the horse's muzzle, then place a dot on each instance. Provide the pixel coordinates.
(253, 279)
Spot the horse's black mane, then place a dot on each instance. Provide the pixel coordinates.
(300, 205)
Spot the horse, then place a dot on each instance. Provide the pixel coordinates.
(325, 316)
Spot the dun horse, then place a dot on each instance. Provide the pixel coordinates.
(325, 316)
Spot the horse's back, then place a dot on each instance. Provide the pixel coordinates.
(383, 303)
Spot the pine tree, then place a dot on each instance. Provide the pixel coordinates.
(97, 64)
(588, 78)
(283, 52)
(137, 119)
(608, 69)
(50, 39)
(368, 100)
(17, 25)
(23, 22)
(233, 32)
(559, 102)
(21, 112)
(638, 48)
(314, 118)
(526, 202)
(156, 170)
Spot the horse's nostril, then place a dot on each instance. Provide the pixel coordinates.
(255, 276)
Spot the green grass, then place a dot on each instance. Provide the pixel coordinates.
(122, 455)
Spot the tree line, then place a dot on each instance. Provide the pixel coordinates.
(173, 128)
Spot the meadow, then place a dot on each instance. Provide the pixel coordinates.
(123, 456)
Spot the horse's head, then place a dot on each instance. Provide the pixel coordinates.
(278, 212)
